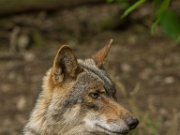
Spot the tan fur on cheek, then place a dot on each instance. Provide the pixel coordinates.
(70, 114)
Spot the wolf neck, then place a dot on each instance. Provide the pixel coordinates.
(45, 118)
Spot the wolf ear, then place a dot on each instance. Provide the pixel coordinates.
(101, 55)
(65, 64)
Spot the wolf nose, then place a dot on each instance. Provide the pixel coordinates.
(132, 122)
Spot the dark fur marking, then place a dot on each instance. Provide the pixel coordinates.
(110, 88)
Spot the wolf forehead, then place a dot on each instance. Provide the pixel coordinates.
(99, 74)
(92, 77)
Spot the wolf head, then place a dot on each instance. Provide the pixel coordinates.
(82, 95)
(78, 97)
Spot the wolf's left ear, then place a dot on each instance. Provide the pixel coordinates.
(65, 65)
(101, 55)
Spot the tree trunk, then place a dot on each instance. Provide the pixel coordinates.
(14, 6)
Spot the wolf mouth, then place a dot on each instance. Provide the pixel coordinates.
(124, 132)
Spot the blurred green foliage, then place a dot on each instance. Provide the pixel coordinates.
(163, 17)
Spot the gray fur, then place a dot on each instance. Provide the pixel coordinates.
(90, 66)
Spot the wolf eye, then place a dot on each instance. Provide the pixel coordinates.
(94, 95)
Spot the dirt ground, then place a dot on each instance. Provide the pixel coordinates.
(137, 60)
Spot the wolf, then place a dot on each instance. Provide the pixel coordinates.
(78, 97)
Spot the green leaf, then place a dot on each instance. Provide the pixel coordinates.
(163, 8)
(124, 4)
(133, 7)
(170, 25)
(155, 25)
(157, 3)
(110, 1)
(160, 8)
